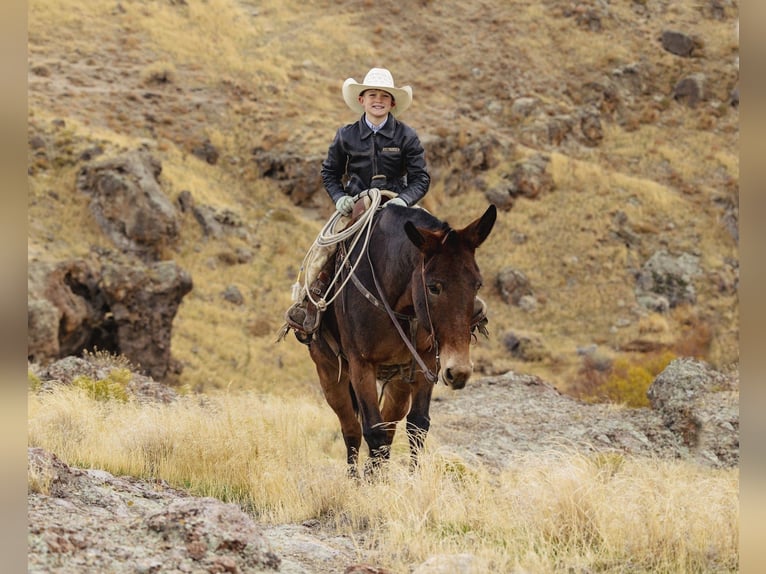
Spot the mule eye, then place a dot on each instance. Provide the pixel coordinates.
(435, 288)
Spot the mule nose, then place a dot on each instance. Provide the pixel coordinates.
(457, 377)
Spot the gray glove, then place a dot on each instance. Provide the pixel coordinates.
(396, 201)
(345, 204)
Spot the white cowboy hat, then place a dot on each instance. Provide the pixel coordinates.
(377, 79)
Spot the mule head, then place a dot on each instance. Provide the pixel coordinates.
(445, 288)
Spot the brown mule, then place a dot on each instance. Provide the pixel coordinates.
(425, 272)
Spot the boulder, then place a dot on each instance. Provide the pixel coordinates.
(530, 177)
(128, 203)
(701, 406)
(98, 367)
(512, 285)
(690, 90)
(666, 281)
(296, 175)
(65, 310)
(123, 307)
(143, 301)
(678, 43)
(92, 521)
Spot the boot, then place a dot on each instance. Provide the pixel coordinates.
(296, 315)
(304, 317)
(313, 316)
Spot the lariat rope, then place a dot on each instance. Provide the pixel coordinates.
(328, 237)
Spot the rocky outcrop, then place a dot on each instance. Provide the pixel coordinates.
(92, 521)
(297, 176)
(694, 416)
(513, 285)
(529, 179)
(128, 203)
(666, 281)
(701, 407)
(64, 310)
(101, 366)
(125, 307)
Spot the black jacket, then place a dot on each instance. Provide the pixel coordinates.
(356, 154)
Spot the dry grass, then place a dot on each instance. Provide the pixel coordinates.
(282, 460)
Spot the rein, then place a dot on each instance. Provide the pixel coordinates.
(430, 376)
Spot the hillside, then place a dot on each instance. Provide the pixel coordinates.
(636, 132)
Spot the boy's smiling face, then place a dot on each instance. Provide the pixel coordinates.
(376, 104)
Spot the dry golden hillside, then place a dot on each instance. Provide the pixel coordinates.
(262, 79)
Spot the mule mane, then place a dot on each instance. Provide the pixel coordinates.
(419, 217)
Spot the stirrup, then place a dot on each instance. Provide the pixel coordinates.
(295, 316)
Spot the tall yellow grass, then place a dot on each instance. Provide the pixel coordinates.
(283, 460)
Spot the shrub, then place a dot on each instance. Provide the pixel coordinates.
(626, 381)
(113, 387)
(33, 381)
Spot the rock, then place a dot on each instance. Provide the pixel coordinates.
(590, 127)
(668, 277)
(65, 310)
(92, 521)
(124, 308)
(559, 127)
(499, 197)
(447, 564)
(232, 294)
(517, 414)
(530, 178)
(678, 43)
(365, 569)
(128, 203)
(295, 174)
(144, 301)
(98, 367)
(524, 107)
(206, 151)
(512, 284)
(690, 90)
(700, 406)
(216, 223)
(185, 201)
(527, 347)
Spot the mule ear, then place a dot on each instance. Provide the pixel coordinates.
(476, 232)
(426, 241)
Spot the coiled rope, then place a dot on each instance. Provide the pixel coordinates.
(329, 237)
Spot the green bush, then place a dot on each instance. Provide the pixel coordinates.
(628, 381)
(624, 381)
(33, 381)
(113, 387)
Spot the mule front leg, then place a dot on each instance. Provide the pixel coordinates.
(395, 404)
(418, 419)
(339, 394)
(373, 426)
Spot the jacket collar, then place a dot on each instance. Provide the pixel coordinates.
(387, 130)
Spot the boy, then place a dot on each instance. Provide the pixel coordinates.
(379, 151)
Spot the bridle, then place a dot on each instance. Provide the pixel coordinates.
(427, 373)
(395, 317)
